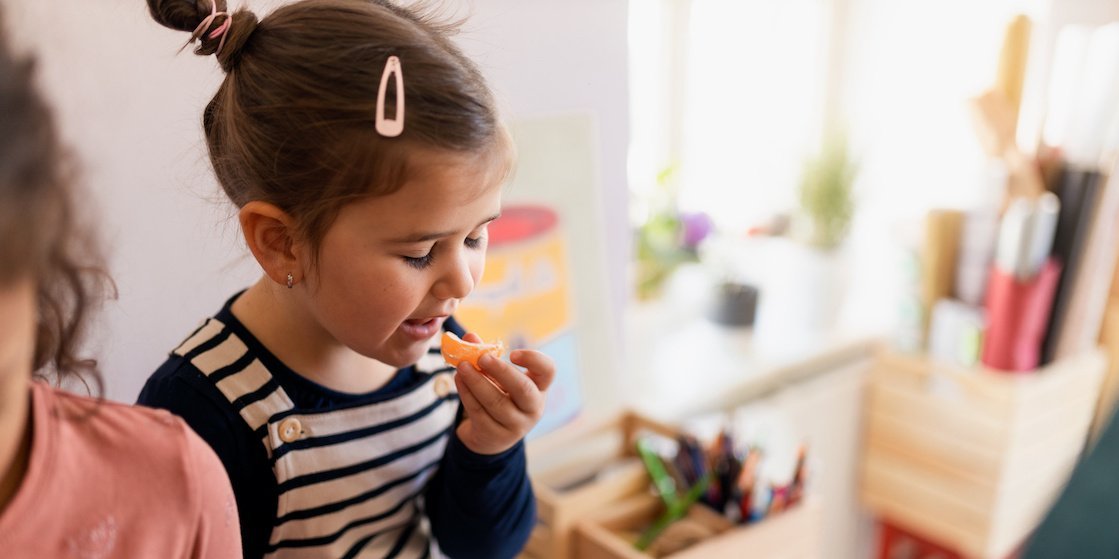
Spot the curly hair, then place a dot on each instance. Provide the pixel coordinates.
(42, 236)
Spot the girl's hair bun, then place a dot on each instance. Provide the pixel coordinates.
(188, 15)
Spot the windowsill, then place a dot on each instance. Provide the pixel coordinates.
(680, 362)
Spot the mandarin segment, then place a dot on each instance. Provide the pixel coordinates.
(456, 350)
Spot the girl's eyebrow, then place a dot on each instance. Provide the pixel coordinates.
(422, 237)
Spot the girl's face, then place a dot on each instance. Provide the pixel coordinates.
(392, 268)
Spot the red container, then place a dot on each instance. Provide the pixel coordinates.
(1017, 316)
(895, 542)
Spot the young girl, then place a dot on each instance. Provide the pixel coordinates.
(366, 157)
(79, 478)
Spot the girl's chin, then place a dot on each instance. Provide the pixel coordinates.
(403, 354)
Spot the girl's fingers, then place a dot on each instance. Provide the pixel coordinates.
(493, 402)
(541, 368)
(470, 403)
(473, 407)
(519, 386)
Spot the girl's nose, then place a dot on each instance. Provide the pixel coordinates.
(456, 280)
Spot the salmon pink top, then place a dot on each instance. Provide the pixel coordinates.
(110, 480)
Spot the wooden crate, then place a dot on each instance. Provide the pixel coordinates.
(791, 534)
(972, 459)
(602, 455)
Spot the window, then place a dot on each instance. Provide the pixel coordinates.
(734, 94)
(739, 95)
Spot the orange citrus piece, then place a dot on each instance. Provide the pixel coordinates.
(457, 350)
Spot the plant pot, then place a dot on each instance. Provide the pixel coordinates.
(803, 292)
(735, 304)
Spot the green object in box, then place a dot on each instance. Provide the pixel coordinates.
(676, 507)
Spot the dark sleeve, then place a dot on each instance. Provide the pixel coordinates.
(181, 389)
(481, 506)
(1082, 522)
(452, 325)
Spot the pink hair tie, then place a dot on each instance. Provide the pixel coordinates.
(219, 31)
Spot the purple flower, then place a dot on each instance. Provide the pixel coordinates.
(697, 226)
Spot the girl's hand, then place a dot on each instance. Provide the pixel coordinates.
(502, 403)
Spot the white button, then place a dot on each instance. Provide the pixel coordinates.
(291, 430)
(444, 385)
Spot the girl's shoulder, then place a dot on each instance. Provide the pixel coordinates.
(120, 432)
(110, 466)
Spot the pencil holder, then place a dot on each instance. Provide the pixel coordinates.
(581, 470)
(793, 534)
(1018, 314)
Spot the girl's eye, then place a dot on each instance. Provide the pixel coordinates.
(421, 262)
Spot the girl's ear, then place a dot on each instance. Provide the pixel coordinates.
(272, 237)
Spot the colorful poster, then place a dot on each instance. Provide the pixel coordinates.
(524, 299)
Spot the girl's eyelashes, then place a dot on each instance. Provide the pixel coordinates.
(421, 262)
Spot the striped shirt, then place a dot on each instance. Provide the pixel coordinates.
(318, 473)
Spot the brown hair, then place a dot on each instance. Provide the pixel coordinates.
(293, 121)
(41, 238)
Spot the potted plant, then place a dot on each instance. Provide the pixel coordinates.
(666, 238)
(810, 279)
(826, 203)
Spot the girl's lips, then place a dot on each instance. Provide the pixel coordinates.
(423, 328)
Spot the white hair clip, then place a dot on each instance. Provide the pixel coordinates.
(391, 127)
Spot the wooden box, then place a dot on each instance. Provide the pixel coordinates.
(971, 458)
(580, 471)
(791, 534)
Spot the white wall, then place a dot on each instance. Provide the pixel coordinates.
(131, 109)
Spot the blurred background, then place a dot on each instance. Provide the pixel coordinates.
(849, 263)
